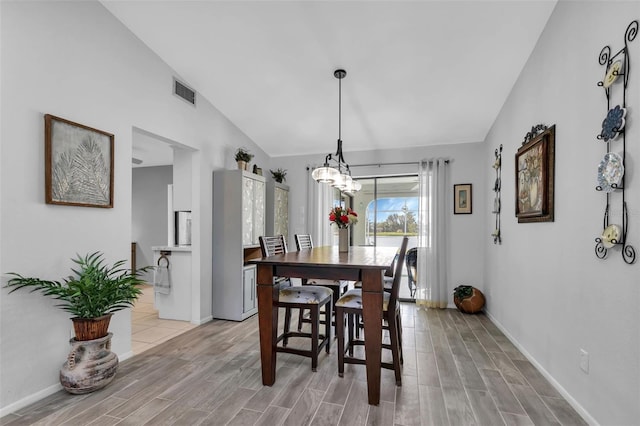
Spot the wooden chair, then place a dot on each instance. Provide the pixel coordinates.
(388, 276)
(339, 287)
(351, 305)
(309, 297)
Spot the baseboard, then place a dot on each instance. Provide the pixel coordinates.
(203, 320)
(125, 356)
(35, 397)
(566, 395)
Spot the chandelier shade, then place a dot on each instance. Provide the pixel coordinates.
(325, 174)
(340, 176)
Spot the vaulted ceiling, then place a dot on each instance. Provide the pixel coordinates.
(418, 72)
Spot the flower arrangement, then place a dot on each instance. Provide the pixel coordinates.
(343, 217)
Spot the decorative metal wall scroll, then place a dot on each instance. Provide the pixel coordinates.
(611, 168)
(497, 186)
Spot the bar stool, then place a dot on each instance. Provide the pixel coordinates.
(351, 305)
(339, 287)
(300, 297)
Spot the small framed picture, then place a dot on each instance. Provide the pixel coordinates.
(78, 164)
(462, 198)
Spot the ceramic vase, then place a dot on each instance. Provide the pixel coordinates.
(343, 240)
(90, 365)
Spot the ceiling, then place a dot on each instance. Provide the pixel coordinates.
(418, 72)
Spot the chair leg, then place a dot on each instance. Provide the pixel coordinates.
(340, 337)
(357, 322)
(300, 318)
(315, 328)
(395, 349)
(287, 322)
(327, 325)
(351, 318)
(399, 326)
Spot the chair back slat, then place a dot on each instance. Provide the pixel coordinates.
(397, 275)
(272, 245)
(303, 241)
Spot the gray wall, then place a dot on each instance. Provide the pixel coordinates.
(544, 285)
(466, 232)
(98, 74)
(149, 211)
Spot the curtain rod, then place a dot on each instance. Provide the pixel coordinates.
(389, 164)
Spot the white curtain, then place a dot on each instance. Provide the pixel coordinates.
(432, 283)
(319, 204)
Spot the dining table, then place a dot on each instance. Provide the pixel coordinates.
(362, 263)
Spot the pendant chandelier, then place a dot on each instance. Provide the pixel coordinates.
(337, 173)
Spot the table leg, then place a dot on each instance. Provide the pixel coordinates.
(372, 317)
(267, 322)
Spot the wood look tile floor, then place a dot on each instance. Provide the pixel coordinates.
(458, 370)
(147, 330)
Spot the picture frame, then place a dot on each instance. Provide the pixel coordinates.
(78, 164)
(535, 176)
(462, 198)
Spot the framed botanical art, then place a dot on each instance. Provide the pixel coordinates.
(462, 198)
(535, 170)
(78, 164)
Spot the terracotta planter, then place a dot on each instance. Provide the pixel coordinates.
(470, 304)
(90, 365)
(91, 328)
(242, 165)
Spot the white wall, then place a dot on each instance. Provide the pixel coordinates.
(544, 284)
(149, 219)
(76, 61)
(467, 233)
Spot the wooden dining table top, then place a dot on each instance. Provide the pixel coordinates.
(359, 257)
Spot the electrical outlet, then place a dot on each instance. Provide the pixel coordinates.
(584, 361)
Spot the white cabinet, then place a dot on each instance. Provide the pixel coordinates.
(253, 197)
(238, 220)
(278, 209)
(249, 288)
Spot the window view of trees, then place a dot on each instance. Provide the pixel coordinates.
(394, 216)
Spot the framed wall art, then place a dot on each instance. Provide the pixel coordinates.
(535, 170)
(462, 198)
(78, 164)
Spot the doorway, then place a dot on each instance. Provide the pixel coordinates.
(387, 208)
(155, 176)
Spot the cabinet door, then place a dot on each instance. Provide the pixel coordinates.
(247, 211)
(281, 212)
(249, 288)
(259, 196)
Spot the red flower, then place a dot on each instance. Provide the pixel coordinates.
(332, 217)
(344, 219)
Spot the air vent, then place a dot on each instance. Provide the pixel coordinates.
(184, 92)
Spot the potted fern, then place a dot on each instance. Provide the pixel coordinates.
(243, 157)
(91, 295)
